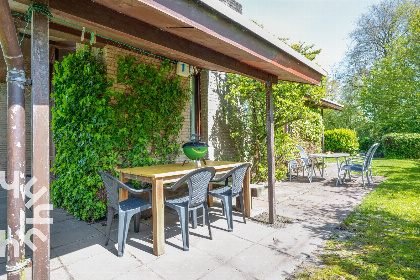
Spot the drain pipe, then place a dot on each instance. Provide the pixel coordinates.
(16, 144)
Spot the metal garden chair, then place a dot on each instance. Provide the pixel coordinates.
(361, 165)
(226, 193)
(126, 209)
(304, 163)
(198, 186)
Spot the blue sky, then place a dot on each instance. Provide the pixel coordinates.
(325, 23)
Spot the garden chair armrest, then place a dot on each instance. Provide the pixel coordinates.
(129, 187)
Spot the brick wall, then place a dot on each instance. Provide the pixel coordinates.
(111, 53)
(215, 128)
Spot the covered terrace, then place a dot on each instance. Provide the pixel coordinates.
(204, 34)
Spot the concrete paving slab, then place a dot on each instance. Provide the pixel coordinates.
(67, 237)
(294, 239)
(59, 214)
(227, 272)
(142, 272)
(66, 225)
(184, 265)
(251, 231)
(102, 266)
(264, 263)
(223, 246)
(60, 273)
(82, 249)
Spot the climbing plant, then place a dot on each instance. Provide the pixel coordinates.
(96, 128)
(82, 125)
(245, 114)
(148, 113)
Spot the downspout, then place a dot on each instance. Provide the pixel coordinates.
(16, 144)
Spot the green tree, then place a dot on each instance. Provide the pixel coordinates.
(247, 117)
(391, 93)
(378, 80)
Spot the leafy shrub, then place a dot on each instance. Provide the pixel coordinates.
(308, 132)
(402, 145)
(341, 140)
(365, 142)
(92, 134)
(82, 131)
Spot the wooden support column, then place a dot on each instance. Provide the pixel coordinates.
(40, 141)
(270, 149)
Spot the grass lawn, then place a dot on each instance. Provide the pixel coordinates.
(381, 238)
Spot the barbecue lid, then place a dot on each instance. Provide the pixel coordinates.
(195, 143)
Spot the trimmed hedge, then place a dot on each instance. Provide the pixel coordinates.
(341, 140)
(402, 145)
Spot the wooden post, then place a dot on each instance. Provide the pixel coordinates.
(270, 151)
(123, 192)
(158, 207)
(247, 193)
(40, 141)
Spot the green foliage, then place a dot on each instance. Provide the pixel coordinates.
(247, 119)
(379, 239)
(380, 82)
(402, 145)
(148, 113)
(82, 125)
(309, 129)
(139, 127)
(341, 140)
(365, 142)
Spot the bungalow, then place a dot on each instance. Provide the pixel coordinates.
(201, 33)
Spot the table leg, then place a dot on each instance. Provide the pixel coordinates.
(123, 192)
(247, 192)
(158, 207)
(209, 197)
(323, 167)
(312, 172)
(338, 171)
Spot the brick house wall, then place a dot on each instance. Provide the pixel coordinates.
(215, 128)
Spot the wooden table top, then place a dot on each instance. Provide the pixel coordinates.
(333, 155)
(174, 169)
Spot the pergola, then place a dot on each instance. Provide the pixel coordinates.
(202, 33)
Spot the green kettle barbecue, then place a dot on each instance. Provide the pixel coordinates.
(195, 149)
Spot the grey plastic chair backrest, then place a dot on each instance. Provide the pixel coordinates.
(198, 184)
(238, 175)
(111, 185)
(369, 157)
(303, 155)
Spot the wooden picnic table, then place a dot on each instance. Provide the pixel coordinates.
(157, 175)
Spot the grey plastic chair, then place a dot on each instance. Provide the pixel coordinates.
(198, 186)
(226, 193)
(361, 165)
(126, 209)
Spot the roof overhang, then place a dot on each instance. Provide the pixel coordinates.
(324, 104)
(328, 104)
(205, 34)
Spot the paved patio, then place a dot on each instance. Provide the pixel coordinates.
(251, 251)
